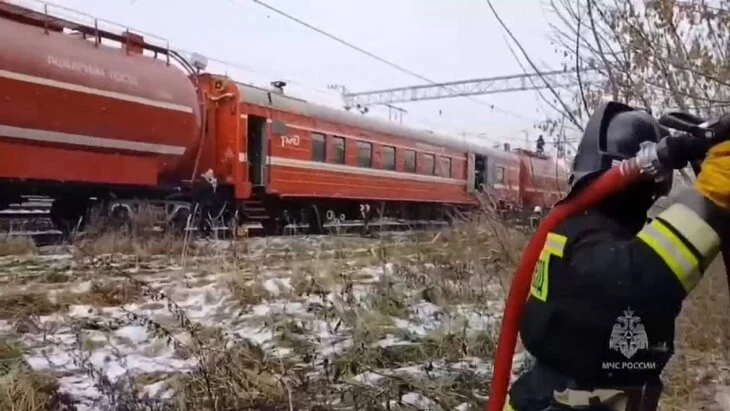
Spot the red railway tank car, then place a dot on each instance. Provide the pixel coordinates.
(79, 118)
(76, 110)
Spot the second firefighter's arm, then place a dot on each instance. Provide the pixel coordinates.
(665, 260)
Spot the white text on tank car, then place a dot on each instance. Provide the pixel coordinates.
(92, 70)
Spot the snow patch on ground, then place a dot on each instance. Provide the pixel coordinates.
(120, 343)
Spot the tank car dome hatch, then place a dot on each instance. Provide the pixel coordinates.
(199, 61)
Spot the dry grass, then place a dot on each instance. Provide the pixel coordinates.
(16, 245)
(21, 388)
(456, 270)
(35, 303)
(102, 294)
(453, 272)
(26, 304)
(247, 292)
(702, 344)
(136, 244)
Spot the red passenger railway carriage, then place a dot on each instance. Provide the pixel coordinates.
(87, 113)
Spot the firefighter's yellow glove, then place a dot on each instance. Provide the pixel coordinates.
(714, 179)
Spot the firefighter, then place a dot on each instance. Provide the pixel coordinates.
(608, 285)
(535, 217)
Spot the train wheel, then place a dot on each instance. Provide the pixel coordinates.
(366, 214)
(120, 218)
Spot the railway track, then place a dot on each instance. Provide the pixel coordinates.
(52, 236)
(31, 206)
(31, 218)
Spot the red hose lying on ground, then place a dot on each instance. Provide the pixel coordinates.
(609, 183)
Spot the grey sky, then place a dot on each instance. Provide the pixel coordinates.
(440, 39)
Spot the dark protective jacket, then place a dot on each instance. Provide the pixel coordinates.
(604, 299)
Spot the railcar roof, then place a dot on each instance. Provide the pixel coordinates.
(262, 97)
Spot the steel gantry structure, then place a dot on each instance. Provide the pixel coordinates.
(461, 88)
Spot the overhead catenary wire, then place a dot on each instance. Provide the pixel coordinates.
(382, 60)
(566, 110)
(342, 41)
(507, 30)
(258, 71)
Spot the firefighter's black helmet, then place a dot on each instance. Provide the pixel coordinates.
(614, 133)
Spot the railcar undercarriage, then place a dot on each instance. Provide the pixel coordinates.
(206, 210)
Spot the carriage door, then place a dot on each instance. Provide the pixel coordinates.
(485, 173)
(256, 150)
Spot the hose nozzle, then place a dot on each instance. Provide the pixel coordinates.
(647, 162)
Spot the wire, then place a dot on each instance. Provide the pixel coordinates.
(426, 123)
(507, 30)
(258, 71)
(385, 61)
(342, 41)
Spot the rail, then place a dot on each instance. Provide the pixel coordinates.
(52, 16)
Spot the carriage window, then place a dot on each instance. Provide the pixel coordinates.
(338, 152)
(364, 154)
(446, 166)
(388, 158)
(499, 177)
(410, 161)
(319, 149)
(429, 164)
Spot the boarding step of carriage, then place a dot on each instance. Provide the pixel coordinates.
(253, 215)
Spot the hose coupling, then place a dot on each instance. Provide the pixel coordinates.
(647, 160)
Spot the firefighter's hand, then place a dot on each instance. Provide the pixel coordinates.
(675, 152)
(714, 179)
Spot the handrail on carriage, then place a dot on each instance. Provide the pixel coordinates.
(53, 17)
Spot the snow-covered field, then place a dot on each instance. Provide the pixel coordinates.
(290, 323)
(284, 323)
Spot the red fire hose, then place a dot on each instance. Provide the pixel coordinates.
(609, 183)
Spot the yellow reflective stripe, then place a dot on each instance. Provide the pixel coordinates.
(539, 288)
(687, 254)
(507, 405)
(694, 229)
(671, 249)
(555, 244)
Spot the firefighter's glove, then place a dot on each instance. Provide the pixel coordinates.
(714, 179)
(675, 152)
